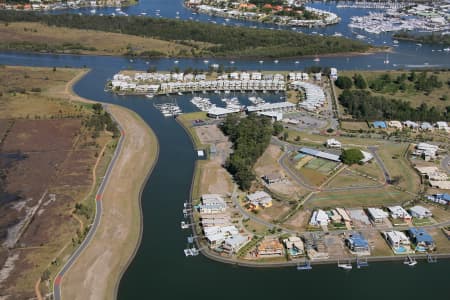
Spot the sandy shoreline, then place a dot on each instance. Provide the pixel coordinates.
(97, 272)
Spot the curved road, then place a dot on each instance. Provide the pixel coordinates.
(445, 163)
(97, 218)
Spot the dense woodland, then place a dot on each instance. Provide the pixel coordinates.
(362, 104)
(433, 38)
(250, 137)
(225, 40)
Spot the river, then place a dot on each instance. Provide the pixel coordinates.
(160, 270)
(405, 52)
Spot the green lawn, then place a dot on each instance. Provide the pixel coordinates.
(358, 198)
(398, 166)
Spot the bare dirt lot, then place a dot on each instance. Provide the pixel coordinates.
(268, 164)
(214, 178)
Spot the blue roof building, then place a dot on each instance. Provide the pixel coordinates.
(422, 239)
(440, 198)
(379, 124)
(357, 243)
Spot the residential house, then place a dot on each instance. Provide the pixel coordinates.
(269, 247)
(212, 203)
(398, 212)
(422, 239)
(440, 198)
(377, 215)
(333, 143)
(273, 178)
(379, 124)
(395, 124)
(259, 199)
(234, 243)
(294, 246)
(398, 241)
(420, 212)
(357, 244)
(319, 218)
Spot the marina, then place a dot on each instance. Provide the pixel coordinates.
(160, 211)
(168, 109)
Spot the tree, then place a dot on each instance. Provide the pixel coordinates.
(277, 128)
(351, 156)
(343, 82)
(359, 81)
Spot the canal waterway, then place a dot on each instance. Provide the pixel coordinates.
(160, 270)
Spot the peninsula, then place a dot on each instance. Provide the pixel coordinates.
(162, 38)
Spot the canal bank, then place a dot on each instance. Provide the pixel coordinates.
(160, 270)
(118, 206)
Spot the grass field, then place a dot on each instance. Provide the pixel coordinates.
(399, 167)
(348, 179)
(371, 169)
(321, 165)
(33, 93)
(354, 125)
(102, 43)
(312, 176)
(357, 198)
(314, 139)
(416, 98)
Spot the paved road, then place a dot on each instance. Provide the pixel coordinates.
(445, 163)
(94, 225)
(253, 217)
(373, 150)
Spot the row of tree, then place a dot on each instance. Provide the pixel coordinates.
(224, 40)
(250, 137)
(361, 104)
(386, 83)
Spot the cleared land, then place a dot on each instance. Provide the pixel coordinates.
(268, 164)
(214, 178)
(98, 270)
(365, 198)
(398, 166)
(48, 158)
(68, 40)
